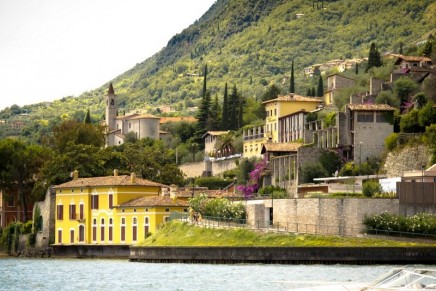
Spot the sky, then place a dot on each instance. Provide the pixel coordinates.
(50, 49)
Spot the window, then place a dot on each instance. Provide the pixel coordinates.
(130, 125)
(134, 229)
(111, 200)
(11, 201)
(72, 236)
(94, 230)
(102, 230)
(59, 212)
(365, 117)
(123, 229)
(146, 226)
(275, 112)
(110, 234)
(81, 233)
(59, 236)
(94, 202)
(383, 117)
(81, 212)
(72, 212)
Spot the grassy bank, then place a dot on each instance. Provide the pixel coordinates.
(177, 233)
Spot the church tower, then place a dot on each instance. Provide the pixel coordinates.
(111, 108)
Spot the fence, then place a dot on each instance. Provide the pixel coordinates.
(300, 228)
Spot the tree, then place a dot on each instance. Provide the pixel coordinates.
(292, 80)
(403, 88)
(313, 93)
(203, 124)
(87, 118)
(271, 93)
(320, 91)
(20, 164)
(204, 82)
(427, 115)
(225, 144)
(78, 133)
(356, 69)
(234, 108)
(374, 58)
(386, 97)
(420, 100)
(409, 122)
(225, 112)
(215, 114)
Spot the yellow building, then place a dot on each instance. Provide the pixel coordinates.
(110, 210)
(283, 106)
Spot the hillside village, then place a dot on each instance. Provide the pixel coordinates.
(120, 210)
(322, 159)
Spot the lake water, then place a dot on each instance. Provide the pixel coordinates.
(95, 274)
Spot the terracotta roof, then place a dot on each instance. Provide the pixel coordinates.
(122, 180)
(293, 98)
(154, 201)
(370, 107)
(215, 133)
(178, 119)
(187, 193)
(280, 147)
(129, 116)
(412, 59)
(144, 116)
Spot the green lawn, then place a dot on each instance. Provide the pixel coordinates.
(177, 233)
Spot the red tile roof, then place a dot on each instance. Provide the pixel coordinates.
(412, 59)
(178, 119)
(280, 147)
(155, 201)
(122, 180)
(370, 107)
(293, 98)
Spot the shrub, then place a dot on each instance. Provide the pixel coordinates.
(276, 191)
(212, 183)
(371, 187)
(31, 239)
(423, 223)
(217, 207)
(391, 141)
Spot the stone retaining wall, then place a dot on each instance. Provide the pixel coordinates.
(284, 255)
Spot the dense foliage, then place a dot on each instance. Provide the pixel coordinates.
(248, 44)
(217, 208)
(424, 223)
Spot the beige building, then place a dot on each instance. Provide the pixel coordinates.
(118, 127)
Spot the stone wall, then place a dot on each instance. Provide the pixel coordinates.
(283, 255)
(213, 167)
(192, 169)
(407, 159)
(47, 209)
(328, 216)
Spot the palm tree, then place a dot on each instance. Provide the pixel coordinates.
(225, 144)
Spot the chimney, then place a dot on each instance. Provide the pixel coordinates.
(75, 175)
(132, 178)
(115, 173)
(173, 191)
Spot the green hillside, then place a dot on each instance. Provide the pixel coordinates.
(251, 44)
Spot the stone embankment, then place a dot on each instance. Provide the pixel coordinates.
(408, 158)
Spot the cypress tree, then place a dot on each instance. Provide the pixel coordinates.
(320, 91)
(292, 80)
(234, 108)
(225, 113)
(313, 94)
(215, 114)
(87, 118)
(357, 69)
(205, 82)
(374, 58)
(240, 112)
(309, 92)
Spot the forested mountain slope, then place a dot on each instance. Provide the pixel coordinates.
(251, 44)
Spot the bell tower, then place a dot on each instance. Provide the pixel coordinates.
(111, 108)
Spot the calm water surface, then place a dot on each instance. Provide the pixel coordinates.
(94, 274)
